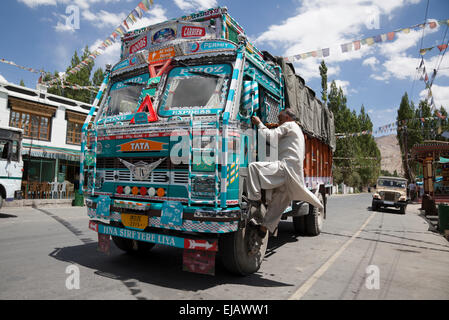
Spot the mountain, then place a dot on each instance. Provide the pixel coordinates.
(390, 153)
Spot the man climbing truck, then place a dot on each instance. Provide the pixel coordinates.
(165, 160)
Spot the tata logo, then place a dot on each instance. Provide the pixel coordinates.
(142, 145)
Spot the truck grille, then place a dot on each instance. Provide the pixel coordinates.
(390, 196)
(173, 173)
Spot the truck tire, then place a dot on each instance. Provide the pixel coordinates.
(374, 206)
(314, 220)
(132, 246)
(402, 209)
(1, 201)
(242, 251)
(299, 225)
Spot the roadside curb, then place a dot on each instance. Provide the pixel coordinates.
(43, 203)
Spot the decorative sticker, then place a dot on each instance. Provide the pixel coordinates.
(162, 54)
(103, 206)
(172, 213)
(163, 35)
(138, 45)
(207, 46)
(192, 32)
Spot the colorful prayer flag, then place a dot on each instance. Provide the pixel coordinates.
(390, 35)
(442, 47)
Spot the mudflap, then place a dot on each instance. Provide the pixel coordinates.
(199, 261)
(104, 243)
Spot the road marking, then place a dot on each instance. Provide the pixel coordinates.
(311, 281)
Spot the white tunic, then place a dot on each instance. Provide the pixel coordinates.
(286, 175)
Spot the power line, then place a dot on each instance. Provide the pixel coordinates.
(422, 40)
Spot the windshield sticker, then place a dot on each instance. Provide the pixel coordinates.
(142, 79)
(213, 69)
(130, 62)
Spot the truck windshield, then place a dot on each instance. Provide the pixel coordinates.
(391, 183)
(196, 90)
(124, 95)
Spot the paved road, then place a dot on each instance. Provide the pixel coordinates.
(405, 260)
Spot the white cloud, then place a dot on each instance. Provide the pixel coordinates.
(110, 56)
(36, 3)
(440, 96)
(187, 5)
(340, 21)
(63, 27)
(344, 85)
(371, 62)
(156, 15)
(104, 18)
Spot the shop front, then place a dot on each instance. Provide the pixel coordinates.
(49, 172)
(433, 157)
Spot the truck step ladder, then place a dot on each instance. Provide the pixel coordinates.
(196, 128)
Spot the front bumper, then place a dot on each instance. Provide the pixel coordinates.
(191, 242)
(193, 219)
(395, 204)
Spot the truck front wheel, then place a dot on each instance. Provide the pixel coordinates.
(242, 251)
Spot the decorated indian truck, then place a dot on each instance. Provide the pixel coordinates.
(165, 158)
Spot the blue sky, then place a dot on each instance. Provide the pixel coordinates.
(34, 34)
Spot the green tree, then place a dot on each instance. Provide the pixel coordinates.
(81, 78)
(98, 77)
(408, 133)
(356, 158)
(323, 74)
(22, 83)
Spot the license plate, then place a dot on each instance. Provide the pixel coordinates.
(136, 221)
(388, 202)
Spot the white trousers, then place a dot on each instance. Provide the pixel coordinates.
(269, 175)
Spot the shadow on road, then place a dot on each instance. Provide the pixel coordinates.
(285, 235)
(6, 215)
(162, 266)
(387, 210)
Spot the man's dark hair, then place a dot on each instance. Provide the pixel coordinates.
(291, 114)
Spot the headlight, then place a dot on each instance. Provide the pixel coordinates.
(402, 198)
(376, 196)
